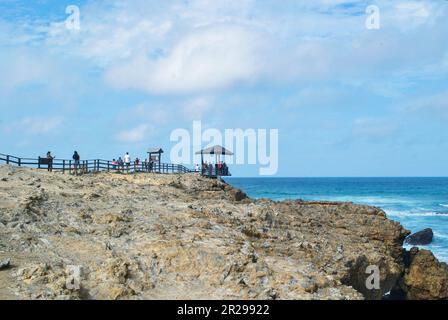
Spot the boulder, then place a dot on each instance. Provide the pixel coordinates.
(422, 237)
(425, 278)
(236, 194)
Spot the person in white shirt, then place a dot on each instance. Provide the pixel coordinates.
(127, 160)
(196, 169)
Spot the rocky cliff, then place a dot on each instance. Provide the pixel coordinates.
(154, 236)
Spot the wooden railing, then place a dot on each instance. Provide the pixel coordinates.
(95, 165)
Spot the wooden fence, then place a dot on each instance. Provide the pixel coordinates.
(90, 166)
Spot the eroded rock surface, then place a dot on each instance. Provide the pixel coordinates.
(424, 278)
(154, 236)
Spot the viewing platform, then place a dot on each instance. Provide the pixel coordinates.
(219, 169)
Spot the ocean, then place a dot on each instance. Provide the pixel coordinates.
(417, 203)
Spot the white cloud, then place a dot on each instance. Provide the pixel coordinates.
(373, 128)
(208, 59)
(436, 104)
(20, 68)
(196, 108)
(412, 14)
(134, 135)
(35, 125)
(208, 46)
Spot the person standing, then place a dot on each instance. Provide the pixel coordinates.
(196, 169)
(114, 164)
(210, 169)
(120, 164)
(76, 159)
(50, 161)
(127, 161)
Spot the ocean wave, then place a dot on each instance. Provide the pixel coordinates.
(439, 235)
(443, 205)
(395, 213)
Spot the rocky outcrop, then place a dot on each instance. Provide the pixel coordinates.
(422, 237)
(151, 236)
(425, 278)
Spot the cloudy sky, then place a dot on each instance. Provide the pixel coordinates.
(347, 100)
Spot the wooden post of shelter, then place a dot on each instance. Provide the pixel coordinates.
(155, 155)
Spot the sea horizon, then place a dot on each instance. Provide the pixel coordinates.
(330, 177)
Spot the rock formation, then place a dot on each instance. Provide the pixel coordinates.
(424, 278)
(422, 237)
(152, 236)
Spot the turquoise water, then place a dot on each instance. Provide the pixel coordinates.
(417, 203)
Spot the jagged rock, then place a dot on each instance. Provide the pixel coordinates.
(425, 278)
(238, 195)
(422, 237)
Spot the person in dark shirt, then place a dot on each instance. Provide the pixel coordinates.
(76, 159)
(50, 161)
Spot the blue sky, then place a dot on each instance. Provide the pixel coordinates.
(347, 101)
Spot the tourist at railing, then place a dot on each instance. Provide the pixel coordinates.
(76, 159)
(120, 164)
(210, 169)
(114, 164)
(50, 161)
(127, 161)
(136, 162)
(225, 169)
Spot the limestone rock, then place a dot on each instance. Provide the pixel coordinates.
(151, 236)
(425, 277)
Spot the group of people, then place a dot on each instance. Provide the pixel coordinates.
(125, 164)
(122, 164)
(49, 160)
(219, 169)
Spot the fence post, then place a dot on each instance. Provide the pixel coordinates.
(63, 166)
(38, 163)
(108, 166)
(7, 159)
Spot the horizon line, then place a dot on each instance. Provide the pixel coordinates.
(332, 177)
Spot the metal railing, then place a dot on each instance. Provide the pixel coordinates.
(94, 165)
